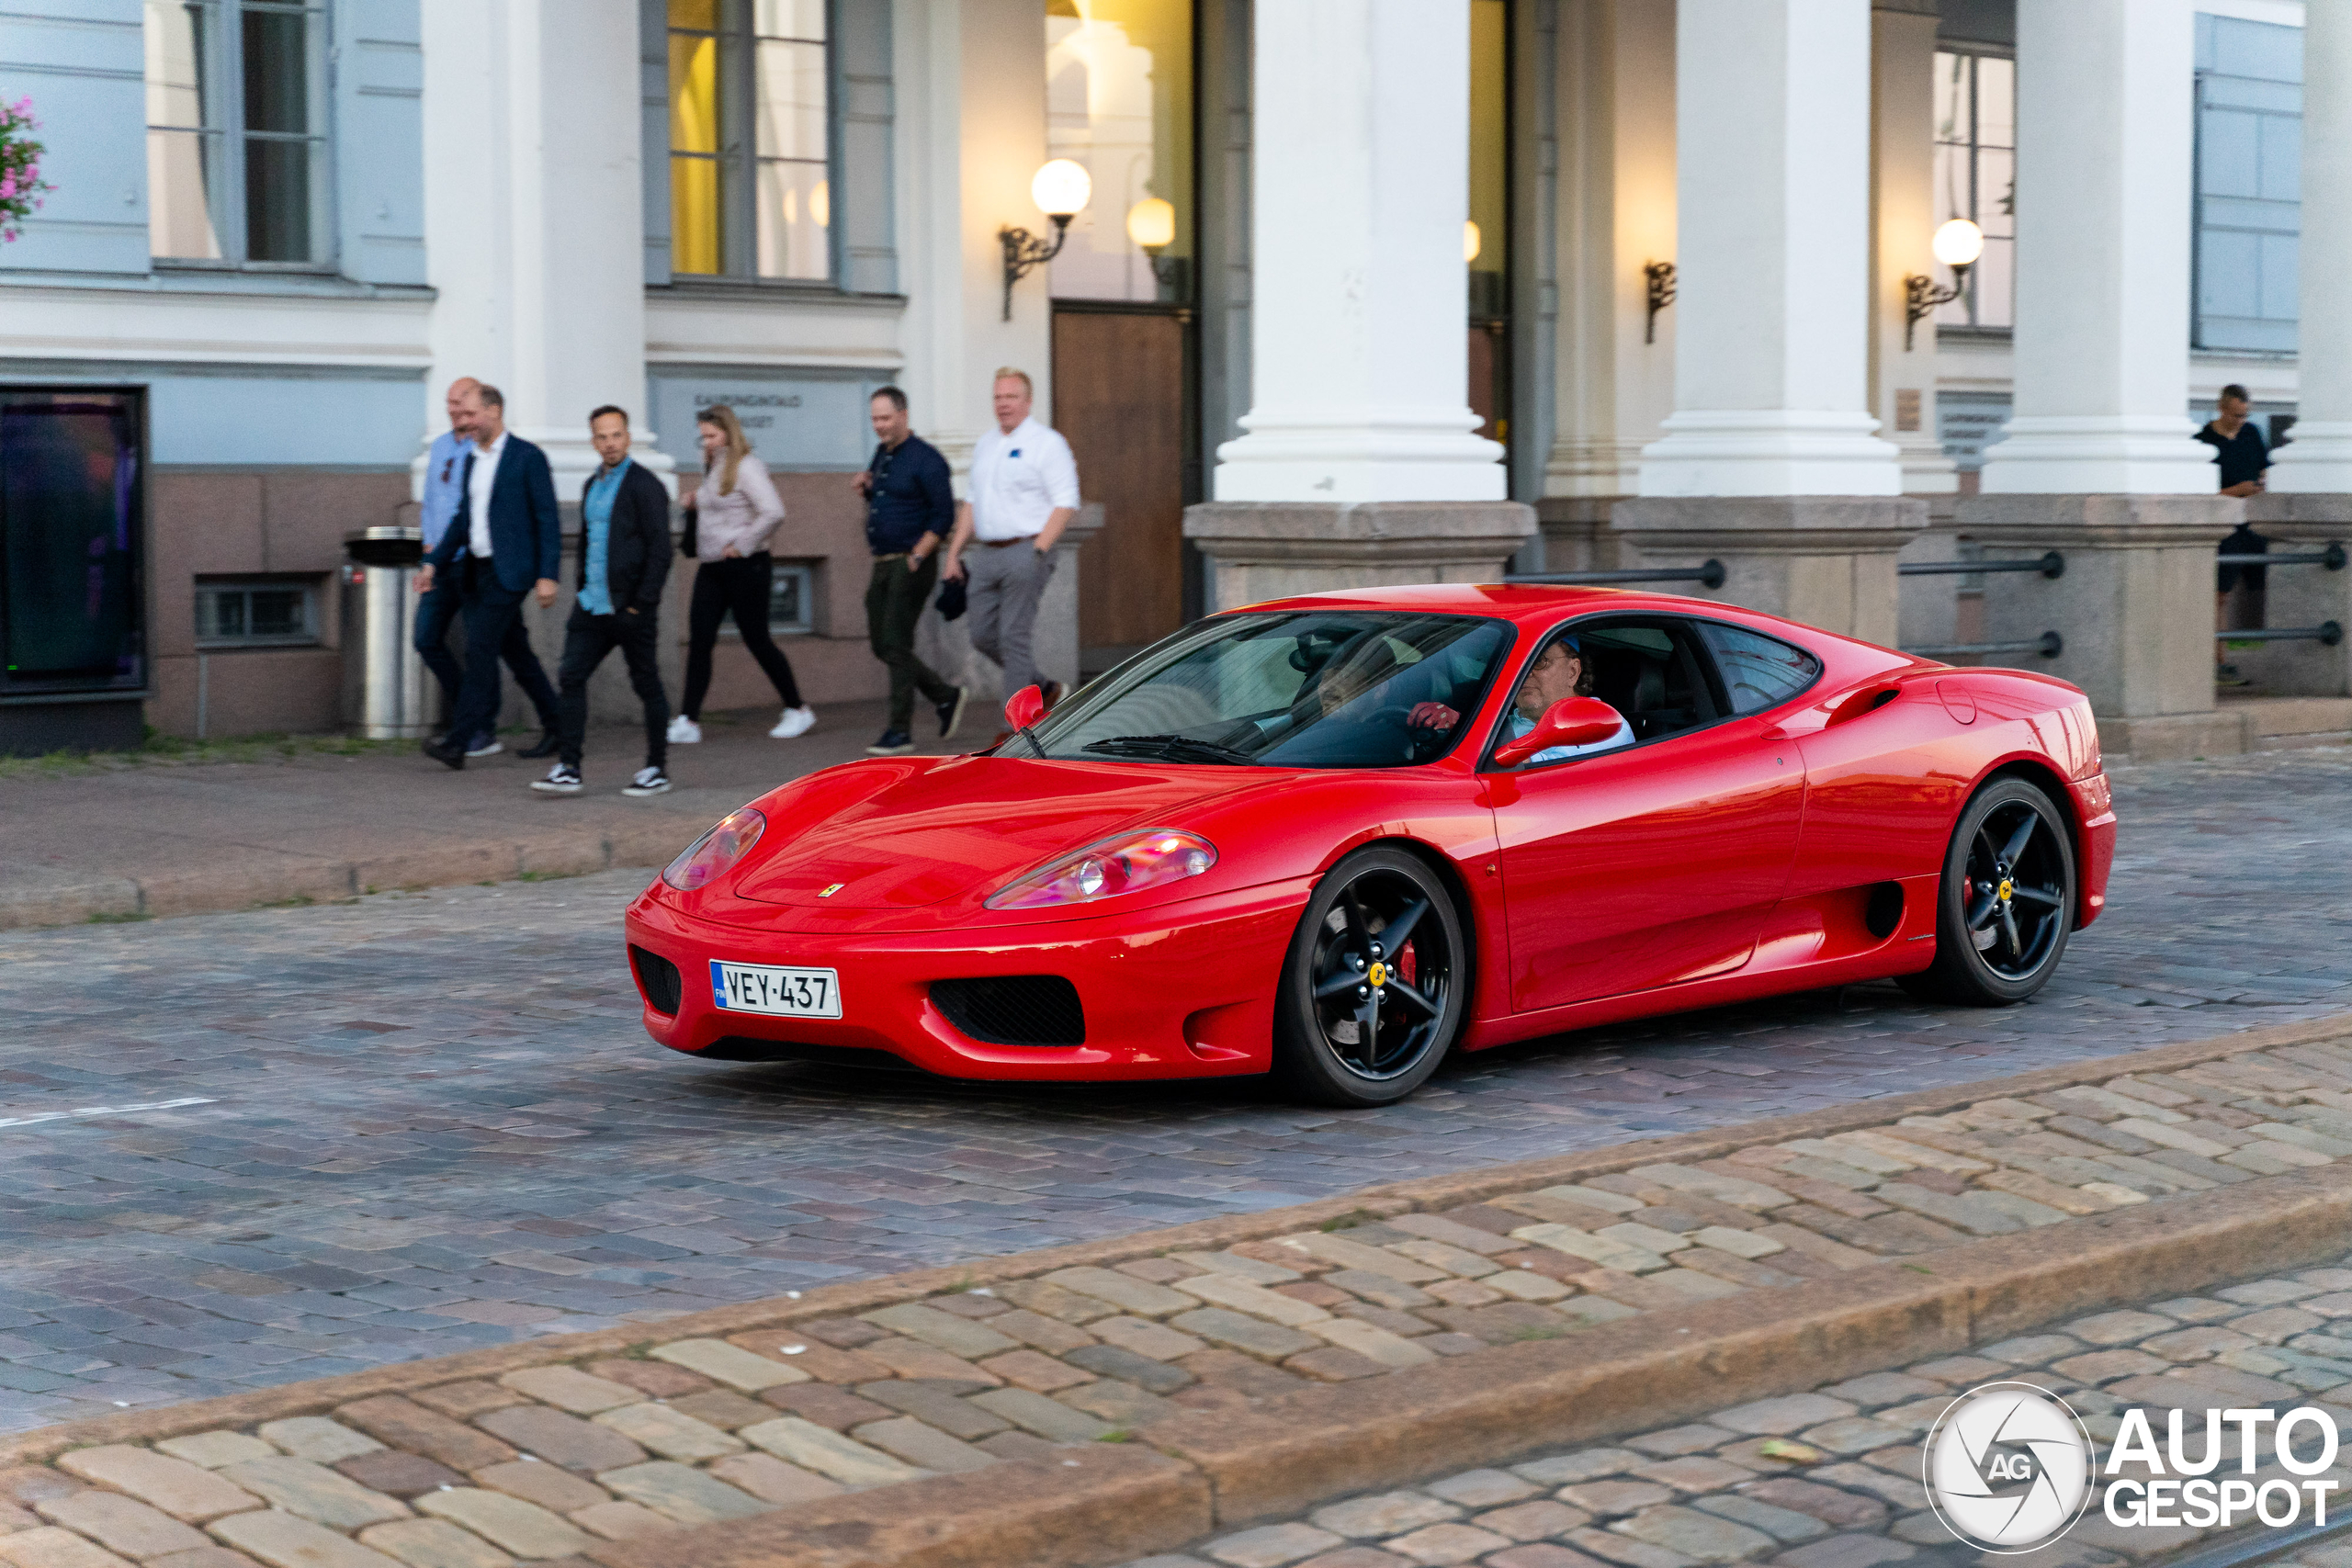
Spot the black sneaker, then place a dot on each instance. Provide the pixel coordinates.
(560, 779)
(951, 712)
(894, 743)
(648, 781)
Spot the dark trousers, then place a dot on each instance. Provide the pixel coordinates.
(586, 640)
(445, 606)
(739, 588)
(894, 601)
(493, 613)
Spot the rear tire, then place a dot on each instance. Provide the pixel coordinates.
(1362, 1017)
(2005, 904)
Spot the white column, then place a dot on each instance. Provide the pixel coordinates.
(535, 221)
(1359, 338)
(2105, 144)
(2320, 457)
(1772, 115)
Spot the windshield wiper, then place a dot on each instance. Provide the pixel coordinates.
(1167, 748)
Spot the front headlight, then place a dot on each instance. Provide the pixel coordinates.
(711, 854)
(1128, 863)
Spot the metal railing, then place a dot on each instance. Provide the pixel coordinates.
(2049, 645)
(2328, 633)
(2052, 564)
(2333, 558)
(1707, 574)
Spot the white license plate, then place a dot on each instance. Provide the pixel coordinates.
(785, 993)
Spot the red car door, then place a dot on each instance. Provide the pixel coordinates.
(1628, 870)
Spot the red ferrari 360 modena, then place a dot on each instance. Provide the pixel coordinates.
(1336, 838)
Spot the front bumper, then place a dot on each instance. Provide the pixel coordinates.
(1178, 990)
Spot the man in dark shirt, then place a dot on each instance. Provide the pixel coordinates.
(910, 508)
(2238, 447)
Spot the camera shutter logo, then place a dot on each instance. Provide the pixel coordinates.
(2009, 1466)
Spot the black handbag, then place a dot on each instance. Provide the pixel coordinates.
(951, 599)
(687, 544)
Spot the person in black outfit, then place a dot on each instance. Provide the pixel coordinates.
(624, 561)
(909, 509)
(2239, 449)
(505, 545)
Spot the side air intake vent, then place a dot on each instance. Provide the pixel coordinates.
(1013, 1010)
(657, 976)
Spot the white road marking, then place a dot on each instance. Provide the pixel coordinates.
(100, 1110)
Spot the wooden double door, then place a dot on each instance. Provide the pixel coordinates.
(1122, 395)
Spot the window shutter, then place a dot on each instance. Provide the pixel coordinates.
(84, 64)
(378, 65)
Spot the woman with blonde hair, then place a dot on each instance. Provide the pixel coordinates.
(736, 509)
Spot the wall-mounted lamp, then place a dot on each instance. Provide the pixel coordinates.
(1471, 241)
(1660, 277)
(1060, 189)
(1957, 244)
(1151, 228)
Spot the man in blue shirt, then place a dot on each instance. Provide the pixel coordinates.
(909, 509)
(442, 605)
(624, 561)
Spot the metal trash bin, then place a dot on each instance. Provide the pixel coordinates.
(386, 693)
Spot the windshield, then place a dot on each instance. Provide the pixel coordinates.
(1302, 689)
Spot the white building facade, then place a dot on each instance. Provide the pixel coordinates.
(1383, 289)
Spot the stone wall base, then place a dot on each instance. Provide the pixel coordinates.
(1261, 551)
(2301, 596)
(1828, 560)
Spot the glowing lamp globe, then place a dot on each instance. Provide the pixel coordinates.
(1061, 189)
(1151, 223)
(1471, 241)
(1959, 242)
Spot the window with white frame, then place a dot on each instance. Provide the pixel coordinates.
(256, 614)
(751, 189)
(2249, 184)
(1976, 95)
(237, 163)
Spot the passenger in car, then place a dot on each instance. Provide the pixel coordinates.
(1558, 672)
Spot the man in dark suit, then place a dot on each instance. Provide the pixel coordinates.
(508, 540)
(624, 561)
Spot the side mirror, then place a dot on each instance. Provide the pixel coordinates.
(1025, 708)
(1571, 721)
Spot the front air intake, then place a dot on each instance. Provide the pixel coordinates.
(658, 978)
(1012, 1009)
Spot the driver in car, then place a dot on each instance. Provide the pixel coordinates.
(1557, 673)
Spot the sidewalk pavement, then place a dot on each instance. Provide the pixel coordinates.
(115, 840)
(1226, 1381)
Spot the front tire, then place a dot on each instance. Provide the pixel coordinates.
(1375, 986)
(2005, 904)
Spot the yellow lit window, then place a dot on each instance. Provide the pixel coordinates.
(750, 193)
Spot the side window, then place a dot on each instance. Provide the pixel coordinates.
(1651, 670)
(1759, 672)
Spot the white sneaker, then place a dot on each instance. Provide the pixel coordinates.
(648, 781)
(485, 746)
(560, 779)
(684, 731)
(796, 721)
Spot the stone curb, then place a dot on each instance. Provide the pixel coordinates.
(575, 852)
(853, 1297)
(1225, 1469)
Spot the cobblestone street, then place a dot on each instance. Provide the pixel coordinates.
(243, 1149)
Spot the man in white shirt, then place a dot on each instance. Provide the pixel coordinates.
(1024, 493)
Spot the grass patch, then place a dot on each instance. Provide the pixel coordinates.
(172, 750)
(1350, 1220)
(299, 901)
(124, 919)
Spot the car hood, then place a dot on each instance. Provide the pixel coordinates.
(966, 827)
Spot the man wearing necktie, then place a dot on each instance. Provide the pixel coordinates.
(507, 542)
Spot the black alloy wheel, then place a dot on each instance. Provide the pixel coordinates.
(2005, 903)
(1374, 985)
